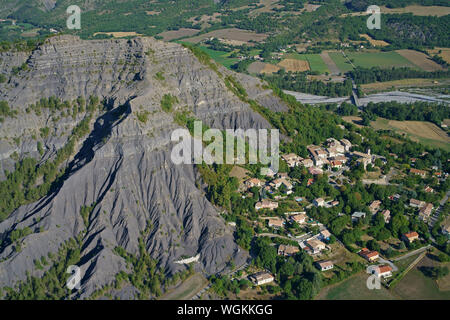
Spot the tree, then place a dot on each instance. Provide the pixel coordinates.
(373, 245)
(332, 239)
(435, 272)
(398, 223)
(383, 234)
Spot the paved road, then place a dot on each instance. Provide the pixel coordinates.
(436, 214)
(272, 235)
(409, 254)
(292, 238)
(389, 262)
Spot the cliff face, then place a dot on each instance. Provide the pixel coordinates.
(123, 165)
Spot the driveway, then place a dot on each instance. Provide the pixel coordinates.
(409, 254)
(393, 266)
(436, 214)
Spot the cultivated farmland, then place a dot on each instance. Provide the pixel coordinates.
(415, 10)
(316, 64)
(230, 34)
(176, 34)
(261, 67)
(415, 285)
(294, 65)
(425, 132)
(354, 288)
(376, 43)
(419, 10)
(444, 53)
(370, 59)
(420, 59)
(270, 68)
(119, 34)
(404, 83)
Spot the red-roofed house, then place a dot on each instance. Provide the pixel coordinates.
(425, 212)
(369, 255)
(384, 271)
(336, 164)
(410, 237)
(421, 173)
(416, 203)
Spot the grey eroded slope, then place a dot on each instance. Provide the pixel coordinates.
(123, 165)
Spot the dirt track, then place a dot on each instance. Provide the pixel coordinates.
(330, 63)
(420, 59)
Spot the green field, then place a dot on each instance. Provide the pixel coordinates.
(315, 61)
(354, 288)
(220, 57)
(415, 285)
(424, 132)
(370, 59)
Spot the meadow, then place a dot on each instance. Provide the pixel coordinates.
(220, 57)
(415, 285)
(354, 288)
(424, 132)
(316, 64)
(370, 59)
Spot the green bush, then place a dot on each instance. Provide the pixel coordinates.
(167, 102)
(143, 116)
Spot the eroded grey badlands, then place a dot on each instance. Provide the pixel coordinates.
(123, 165)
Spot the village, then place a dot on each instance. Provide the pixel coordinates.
(296, 230)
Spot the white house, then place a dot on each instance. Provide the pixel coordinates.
(358, 215)
(383, 271)
(261, 278)
(325, 265)
(266, 204)
(319, 202)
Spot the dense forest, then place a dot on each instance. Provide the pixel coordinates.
(418, 111)
(361, 5)
(297, 81)
(283, 27)
(409, 31)
(375, 74)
